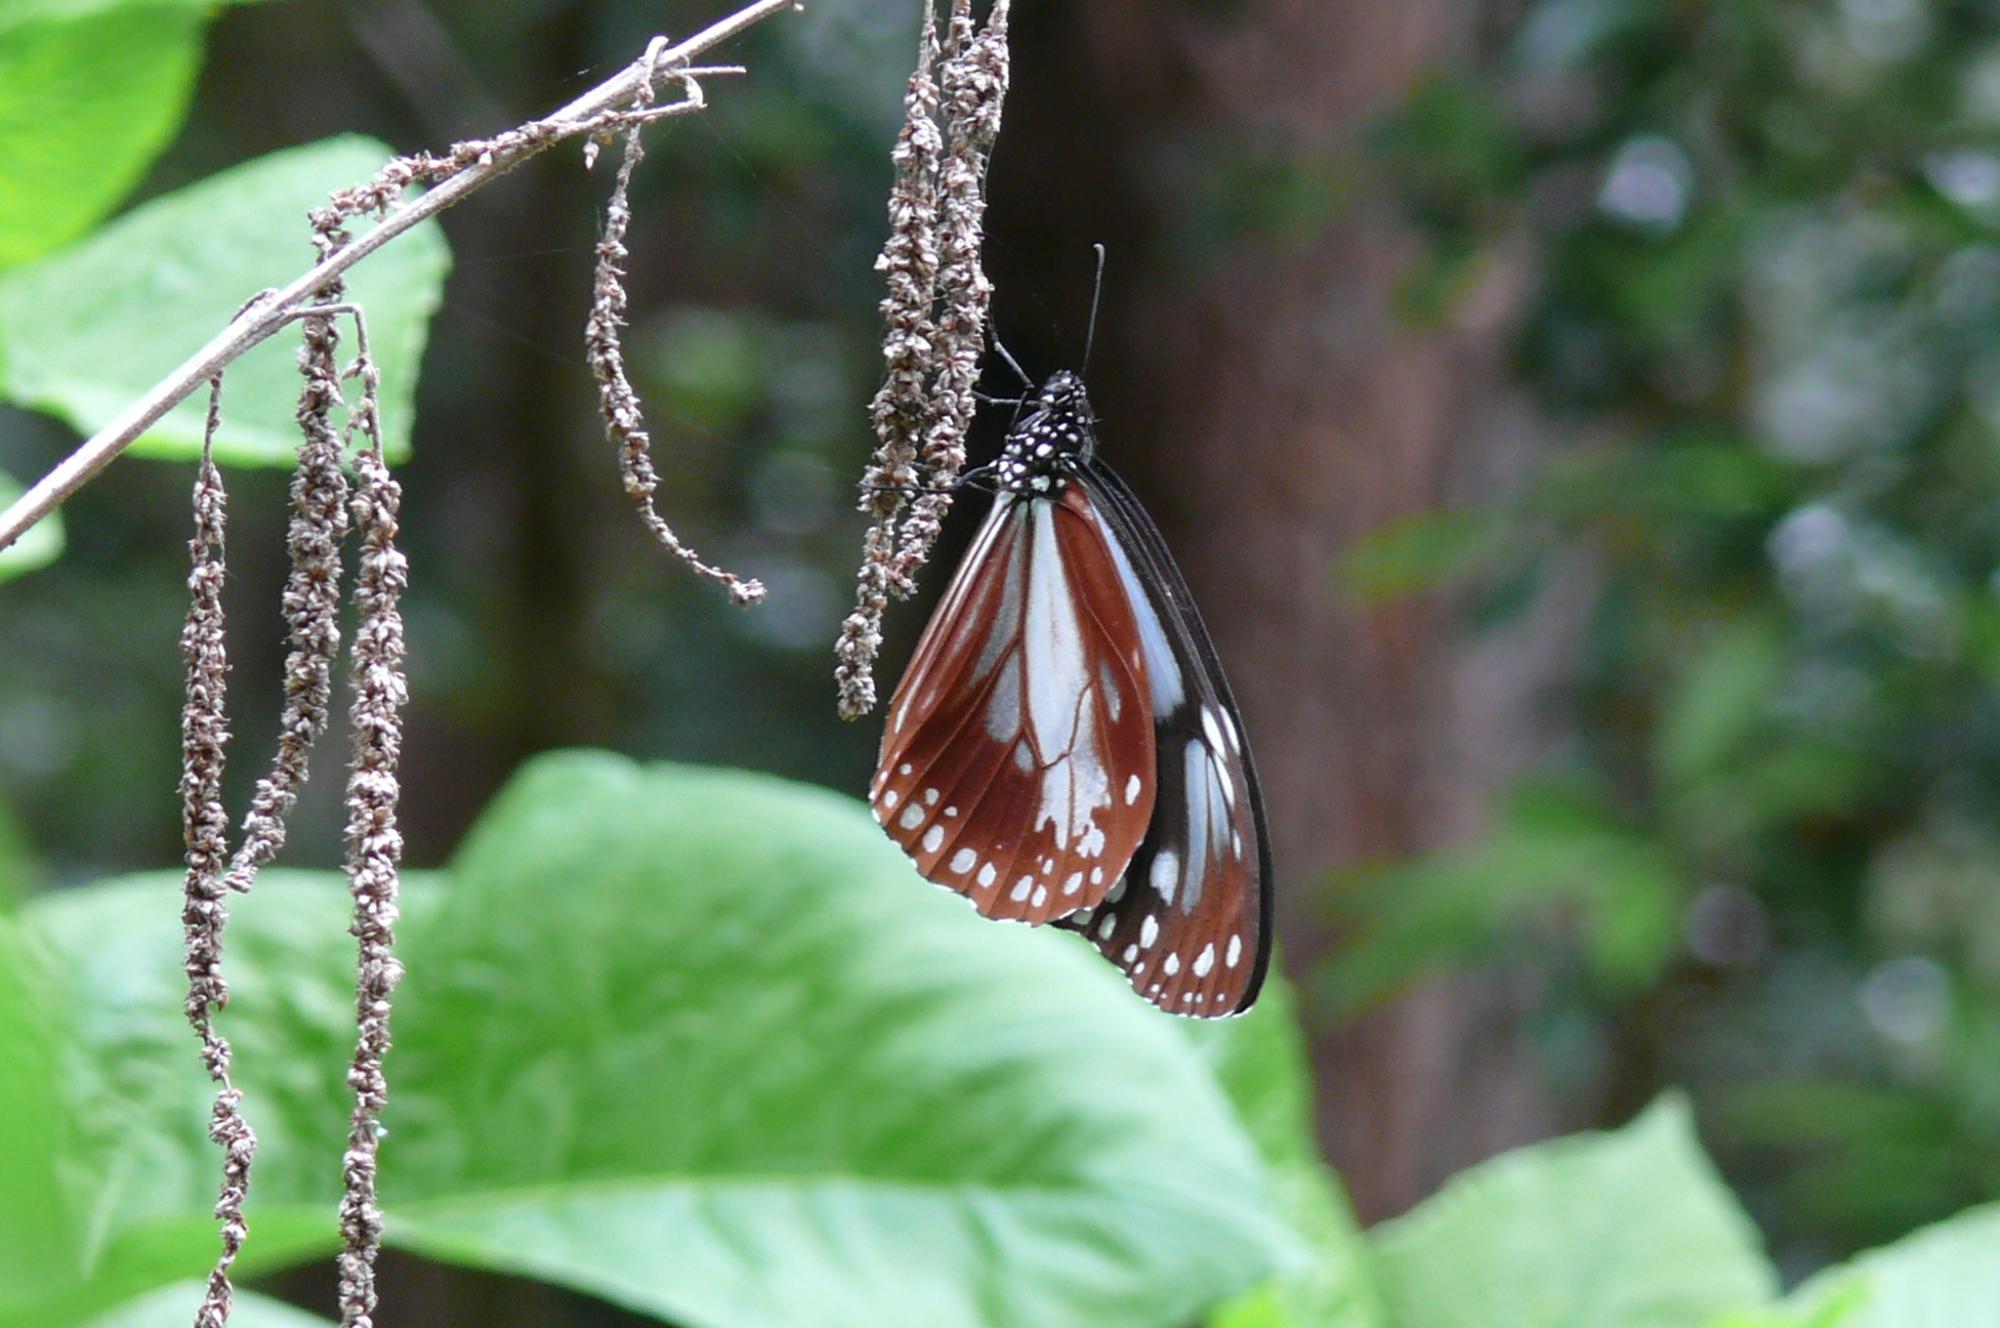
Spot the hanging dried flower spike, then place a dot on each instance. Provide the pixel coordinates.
(374, 843)
(935, 318)
(205, 824)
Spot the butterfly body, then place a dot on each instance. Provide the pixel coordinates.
(1064, 748)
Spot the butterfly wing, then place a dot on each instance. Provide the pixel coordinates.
(1018, 762)
(1190, 922)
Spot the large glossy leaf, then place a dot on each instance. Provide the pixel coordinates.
(1261, 1060)
(86, 330)
(1945, 1276)
(1631, 1229)
(699, 1043)
(43, 543)
(88, 97)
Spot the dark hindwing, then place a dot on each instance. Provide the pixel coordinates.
(1017, 762)
(1190, 922)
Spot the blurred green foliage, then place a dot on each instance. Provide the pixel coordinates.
(1763, 245)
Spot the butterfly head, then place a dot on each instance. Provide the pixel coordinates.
(1042, 449)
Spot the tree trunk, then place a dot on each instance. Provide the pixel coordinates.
(1257, 380)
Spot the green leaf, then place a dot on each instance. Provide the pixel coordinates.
(1631, 1229)
(173, 1307)
(41, 1244)
(1944, 1276)
(88, 97)
(43, 543)
(88, 329)
(1261, 1060)
(699, 1043)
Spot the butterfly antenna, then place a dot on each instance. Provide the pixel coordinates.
(1096, 298)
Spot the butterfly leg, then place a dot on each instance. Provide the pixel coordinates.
(979, 477)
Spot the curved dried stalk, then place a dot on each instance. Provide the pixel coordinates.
(617, 400)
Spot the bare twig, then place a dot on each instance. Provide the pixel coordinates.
(205, 910)
(617, 400)
(471, 168)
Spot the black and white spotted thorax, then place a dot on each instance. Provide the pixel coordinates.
(1043, 449)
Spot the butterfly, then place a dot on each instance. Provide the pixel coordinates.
(1064, 748)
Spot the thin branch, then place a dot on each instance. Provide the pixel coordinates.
(482, 164)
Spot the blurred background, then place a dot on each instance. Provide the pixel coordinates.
(1577, 419)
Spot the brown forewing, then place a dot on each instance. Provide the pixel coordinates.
(1018, 763)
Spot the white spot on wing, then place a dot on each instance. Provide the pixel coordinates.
(1166, 874)
(1107, 926)
(1172, 966)
(1021, 888)
(889, 801)
(1149, 931)
(1204, 961)
(1132, 787)
(986, 875)
(1235, 951)
(1074, 883)
(933, 839)
(1209, 727)
(912, 817)
(961, 861)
